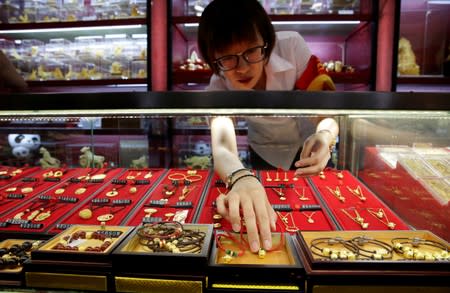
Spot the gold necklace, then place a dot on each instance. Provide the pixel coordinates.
(310, 219)
(357, 218)
(337, 193)
(285, 221)
(301, 196)
(280, 193)
(357, 192)
(381, 216)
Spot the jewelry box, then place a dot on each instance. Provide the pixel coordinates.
(163, 255)
(78, 258)
(232, 266)
(354, 259)
(13, 254)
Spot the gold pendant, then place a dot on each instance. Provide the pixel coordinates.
(18, 216)
(112, 193)
(58, 174)
(59, 191)
(26, 189)
(98, 177)
(105, 217)
(80, 190)
(149, 212)
(85, 214)
(33, 215)
(48, 174)
(43, 216)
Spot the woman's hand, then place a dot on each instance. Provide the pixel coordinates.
(248, 200)
(315, 154)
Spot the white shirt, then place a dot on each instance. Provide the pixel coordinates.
(276, 139)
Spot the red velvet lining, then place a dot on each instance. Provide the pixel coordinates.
(353, 203)
(158, 193)
(119, 212)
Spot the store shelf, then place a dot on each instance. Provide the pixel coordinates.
(423, 46)
(89, 53)
(72, 24)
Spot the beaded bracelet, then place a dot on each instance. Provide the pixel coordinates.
(239, 178)
(348, 251)
(383, 250)
(232, 174)
(408, 248)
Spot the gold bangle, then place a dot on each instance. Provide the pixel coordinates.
(194, 177)
(176, 176)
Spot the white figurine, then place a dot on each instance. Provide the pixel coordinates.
(89, 159)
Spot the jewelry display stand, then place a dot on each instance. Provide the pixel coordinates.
(14, 252)
(276, 270)
(114, 201)
(352, 204)
(354, 260)
(52, 199)
(187, 258)
(78, 258)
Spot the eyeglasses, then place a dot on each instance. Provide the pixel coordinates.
(252, 55)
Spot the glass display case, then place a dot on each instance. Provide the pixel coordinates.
(78, 46)
(423, 59)
(143, 158)
(334, 30)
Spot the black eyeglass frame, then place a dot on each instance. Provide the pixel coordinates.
(217, 62)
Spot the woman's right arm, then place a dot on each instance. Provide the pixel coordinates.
(247, 195)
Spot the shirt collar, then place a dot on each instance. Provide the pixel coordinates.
(274, 68)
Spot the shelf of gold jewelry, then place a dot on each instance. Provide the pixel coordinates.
(232, 266)
(366, 252)
(184, 251)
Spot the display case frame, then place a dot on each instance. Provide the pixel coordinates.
(271, 104)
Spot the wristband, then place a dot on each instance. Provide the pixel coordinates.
(239, 178)
(232, 174)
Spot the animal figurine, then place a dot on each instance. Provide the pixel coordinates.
(47, 161)
(140, 163)
(198, 162)
(406, 58)
(89, 159)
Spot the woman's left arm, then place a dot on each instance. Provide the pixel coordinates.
(316, 148)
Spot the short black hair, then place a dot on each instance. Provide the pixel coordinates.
(226, 22)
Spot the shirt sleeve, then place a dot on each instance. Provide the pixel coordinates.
(303, 53)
